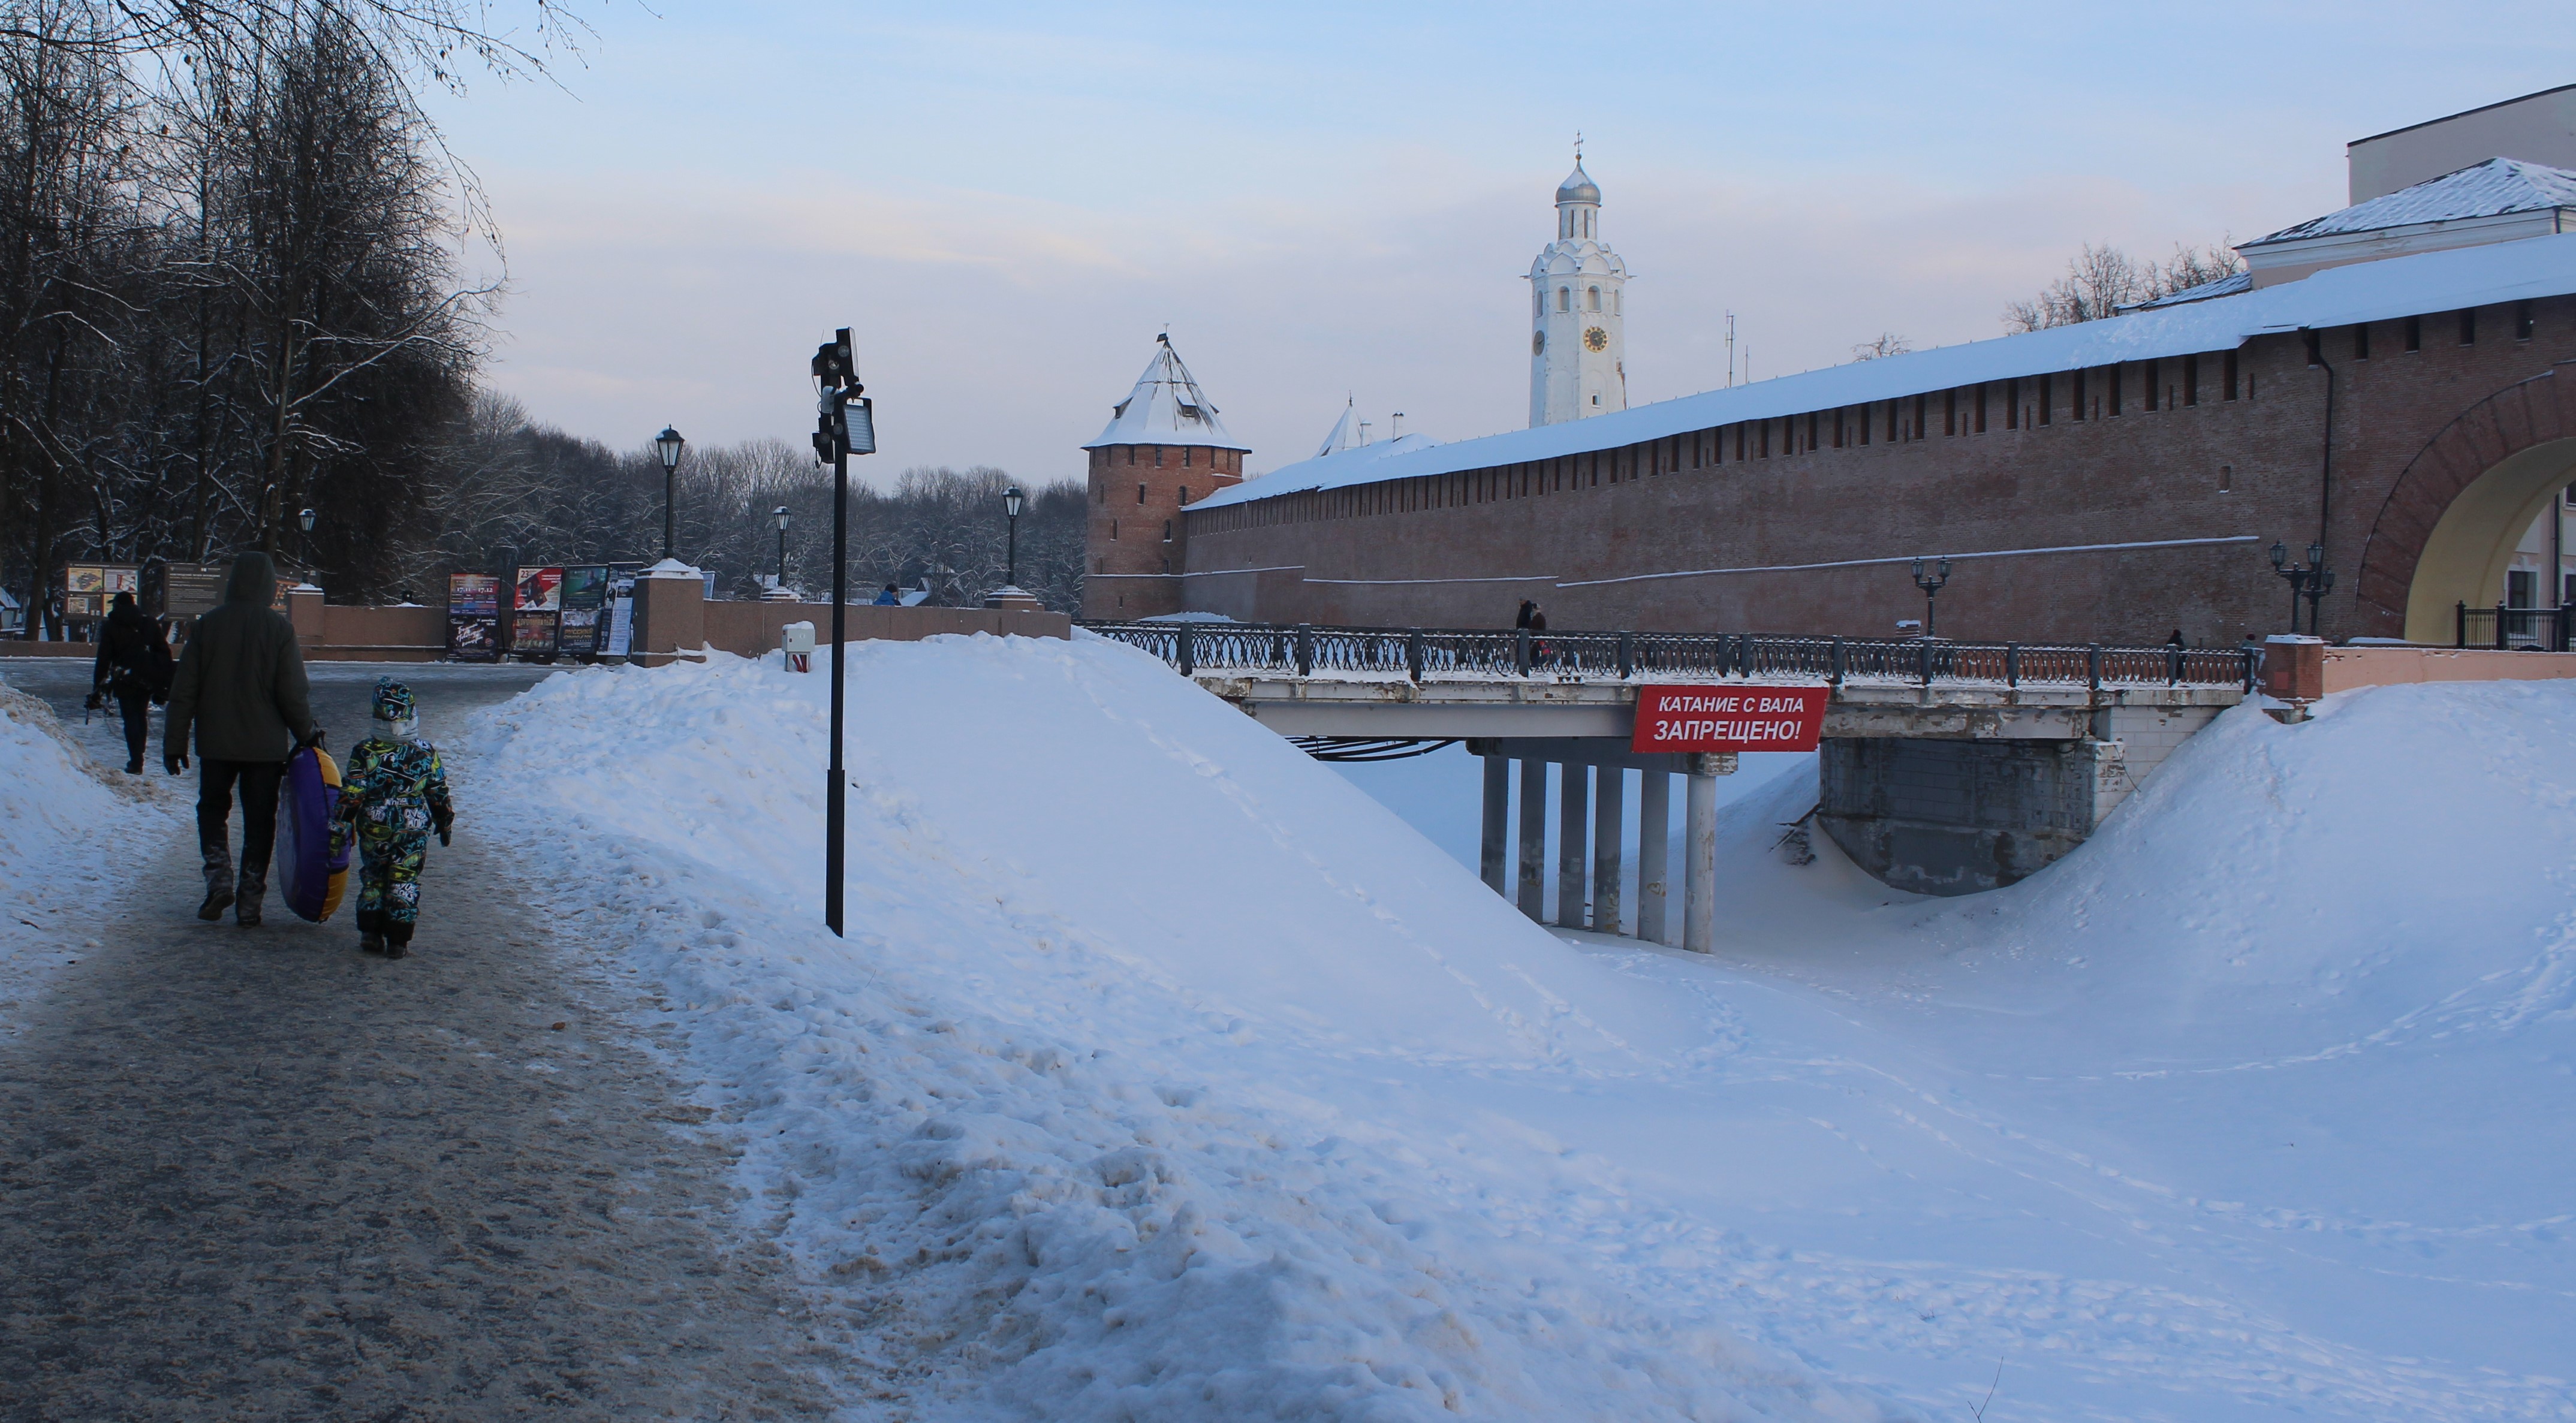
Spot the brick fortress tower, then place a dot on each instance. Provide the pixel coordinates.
(1164, 448)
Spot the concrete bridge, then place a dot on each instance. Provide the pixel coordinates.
(1944, 767)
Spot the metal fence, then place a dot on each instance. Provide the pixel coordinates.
(1305, 650)
(2514, 629)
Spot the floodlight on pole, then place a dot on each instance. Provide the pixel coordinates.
(844, 425)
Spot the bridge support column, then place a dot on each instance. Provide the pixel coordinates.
(1699, 873)
(1493, 855)
(1533, 873)
(1654, 841)
(1573, 808)
(1608, 813)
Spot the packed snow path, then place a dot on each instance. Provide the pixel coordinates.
(253, 1173)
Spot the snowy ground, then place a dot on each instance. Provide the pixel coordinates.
(70, 831)
(1163, 1075)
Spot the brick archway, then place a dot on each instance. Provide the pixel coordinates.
(2520, 418)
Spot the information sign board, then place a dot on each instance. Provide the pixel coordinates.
(1726, 717)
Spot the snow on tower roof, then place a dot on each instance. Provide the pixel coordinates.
(2340, 296)
(2498, 187)
(1166, 408)
(1578, 187)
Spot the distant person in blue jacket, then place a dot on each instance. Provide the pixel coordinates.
(889, 598)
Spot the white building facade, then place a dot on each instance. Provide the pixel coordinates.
(1578, 342)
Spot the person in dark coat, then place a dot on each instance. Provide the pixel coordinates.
(133, 666)
(240, 687)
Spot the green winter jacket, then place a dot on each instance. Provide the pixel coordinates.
(241, 679)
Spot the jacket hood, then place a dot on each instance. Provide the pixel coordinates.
(254, 581)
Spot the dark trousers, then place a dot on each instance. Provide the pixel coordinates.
(259, 810)
(136, 708)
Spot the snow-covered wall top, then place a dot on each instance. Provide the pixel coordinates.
(2495, 188)
(2339, 296)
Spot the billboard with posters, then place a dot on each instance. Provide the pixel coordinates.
(1729, 718)
(585, 596)
(473, 616)
(618, 631)
(540, 591)
(532, 634)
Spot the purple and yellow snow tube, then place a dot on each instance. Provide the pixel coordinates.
(311, 876)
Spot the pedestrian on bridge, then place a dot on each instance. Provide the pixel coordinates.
(240, 688)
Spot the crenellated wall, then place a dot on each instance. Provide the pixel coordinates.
(2120, 503)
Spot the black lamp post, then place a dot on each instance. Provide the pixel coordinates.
(304, 549)
(844, 425)
(668, 445)
(2314, 581)
(1930, 583)
(1012, 502)
(780, 514)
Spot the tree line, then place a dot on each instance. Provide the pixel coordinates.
(556, 498)
(230, 253)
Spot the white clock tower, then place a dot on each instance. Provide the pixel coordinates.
(1578, 345)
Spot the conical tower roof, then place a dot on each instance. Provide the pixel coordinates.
(1166, 408)
(1344, 433)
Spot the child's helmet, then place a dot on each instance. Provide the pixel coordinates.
(394, 709)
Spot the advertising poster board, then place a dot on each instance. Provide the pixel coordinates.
(532, 634)
(87, 587)
(619, 636)
(1729, 718)
(585, 594)
(473, 616)
(540, 591)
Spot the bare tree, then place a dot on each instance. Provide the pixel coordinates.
(2103, 281)
(1887, 344)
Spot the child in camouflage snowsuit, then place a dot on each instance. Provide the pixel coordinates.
(393, 796)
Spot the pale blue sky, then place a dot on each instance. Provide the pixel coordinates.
(1008, 201)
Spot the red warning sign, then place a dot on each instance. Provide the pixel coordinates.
(1728, 718)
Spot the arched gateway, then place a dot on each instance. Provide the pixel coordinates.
(2449, 528)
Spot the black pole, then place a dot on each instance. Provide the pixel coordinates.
(1931, 606)
(670, 483)
(835, 795)
(1011, 567)
(782, 555)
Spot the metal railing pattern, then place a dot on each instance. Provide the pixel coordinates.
(1306, 650)
(2513, 629)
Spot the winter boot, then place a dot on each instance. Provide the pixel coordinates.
(134, 765)
(397, 939)
(219, 883)
(371, 931)
(254, 887)
(371, 942)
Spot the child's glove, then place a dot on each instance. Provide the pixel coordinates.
(446, 823)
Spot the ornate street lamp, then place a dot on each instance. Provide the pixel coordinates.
(668, 445)
(2314, 581)
(844, 425)
(1012, 502)
(780, 515)
(1931, 586)
(304, 517)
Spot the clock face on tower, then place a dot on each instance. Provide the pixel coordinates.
(1538, 343)
(1595, 339)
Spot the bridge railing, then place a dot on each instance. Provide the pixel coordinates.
(1306, 650)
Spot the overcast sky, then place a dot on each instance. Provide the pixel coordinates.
(1333, 200)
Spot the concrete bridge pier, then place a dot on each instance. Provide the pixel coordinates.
(1654, 849)
(1493, 854)
(1592, 832)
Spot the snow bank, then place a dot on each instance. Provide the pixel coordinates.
(63, 826)
(1163, 1075)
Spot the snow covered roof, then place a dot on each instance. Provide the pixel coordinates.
(1165, 408)
(2496, 188)
(2339, 296)
(1344, 435)
(2228, 285)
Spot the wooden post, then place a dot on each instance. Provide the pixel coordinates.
(1533, 876)
(1493, 856)
(1573, 810)
(1654, 837)
(1608, 804)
